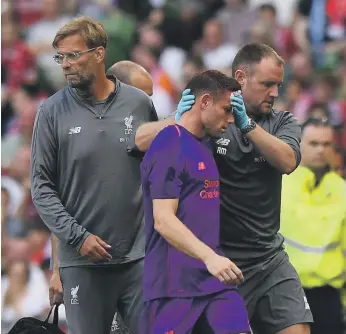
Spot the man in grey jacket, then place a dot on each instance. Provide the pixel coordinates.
(134, 75)
(86, 182)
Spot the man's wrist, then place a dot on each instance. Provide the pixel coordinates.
(244, 123)
(207, 254)
(251, 125)
(81, 241)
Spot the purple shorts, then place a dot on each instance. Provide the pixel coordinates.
(221, 313)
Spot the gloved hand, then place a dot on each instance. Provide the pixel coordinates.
(239, 111)
(186, 102)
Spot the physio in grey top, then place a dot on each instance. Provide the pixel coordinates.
(86, 181)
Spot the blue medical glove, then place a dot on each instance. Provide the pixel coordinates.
(239, 111)
(186, 102)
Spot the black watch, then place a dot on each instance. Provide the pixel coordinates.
(250, 126)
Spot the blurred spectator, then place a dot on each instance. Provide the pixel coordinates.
(260, 32)
(285, 9)
(20, 131)
(300, 68)
(323, 92)
(319, 111)
(313, 224)
(216, 54)
(28, 12)
(23, 292)
(40, 37)
(191, 68)
(336, 161)
(120, 27)
(164, 91)
(326, 29)
(171, 58)
(16, 59)
(17, 189)
(39, 243)
(283, 41)
(237, 18)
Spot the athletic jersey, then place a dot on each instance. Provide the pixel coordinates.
(251, 191)
(178, 165)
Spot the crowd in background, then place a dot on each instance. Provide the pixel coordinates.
(173, 40)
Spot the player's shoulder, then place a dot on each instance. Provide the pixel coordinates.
(170, 134)
(134, 93)
(282, 116)
(167, 139)
(166, 144)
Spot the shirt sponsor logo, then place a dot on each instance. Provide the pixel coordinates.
(221, 150)
(74, 295)
(74, 130)
(208, 192)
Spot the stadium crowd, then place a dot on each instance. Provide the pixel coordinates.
(173, 40)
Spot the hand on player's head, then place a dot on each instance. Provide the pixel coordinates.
(239, 110)
(186, 102)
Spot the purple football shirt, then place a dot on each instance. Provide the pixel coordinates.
(178, 165)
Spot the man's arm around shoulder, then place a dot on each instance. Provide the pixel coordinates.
(146, 133)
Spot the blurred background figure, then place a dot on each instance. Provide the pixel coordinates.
(313, 222)
(23, 293)
(172, 40)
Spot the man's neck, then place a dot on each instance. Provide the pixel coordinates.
(191, 121)
(99, 90)
(319, 173)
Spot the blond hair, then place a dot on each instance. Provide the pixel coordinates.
(91, 31)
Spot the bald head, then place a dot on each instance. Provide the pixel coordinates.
(132, 74)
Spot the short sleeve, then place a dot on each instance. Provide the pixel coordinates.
(145, 114)
(289, 131)
(165, 164)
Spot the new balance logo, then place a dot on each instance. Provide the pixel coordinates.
(74, 130)
(221, 150)
(74, 296)
(223, 141)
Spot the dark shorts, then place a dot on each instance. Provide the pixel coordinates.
(274, 296)
(222, 313)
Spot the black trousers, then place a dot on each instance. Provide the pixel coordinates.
(326, 307)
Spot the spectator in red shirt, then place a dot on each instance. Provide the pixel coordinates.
(16, 58)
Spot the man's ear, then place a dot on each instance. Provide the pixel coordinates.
(100, 54)
(205, 100)
(240, 76)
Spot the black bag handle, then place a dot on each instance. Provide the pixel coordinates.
(56, 314)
